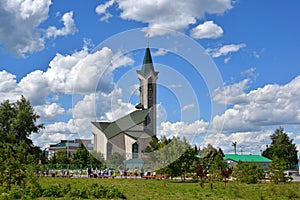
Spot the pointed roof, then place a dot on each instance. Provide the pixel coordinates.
(147, 63)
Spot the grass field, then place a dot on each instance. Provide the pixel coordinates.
(154, 189)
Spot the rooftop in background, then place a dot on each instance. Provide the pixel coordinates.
(247, 158)
(70, 143)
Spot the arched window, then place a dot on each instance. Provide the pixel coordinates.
(135, 150)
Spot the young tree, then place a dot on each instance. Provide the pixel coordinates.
(277, 168)
(248, 172)
(282, 147)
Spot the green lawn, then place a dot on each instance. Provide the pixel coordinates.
(154, 189)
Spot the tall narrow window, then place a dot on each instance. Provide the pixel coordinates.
(109, 148)
(135, 150)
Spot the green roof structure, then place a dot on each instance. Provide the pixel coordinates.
(111, 129)
(247, 158)
(61, 144)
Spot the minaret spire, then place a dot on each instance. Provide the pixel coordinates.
(147, 77)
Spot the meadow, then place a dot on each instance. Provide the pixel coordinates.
(80, 188)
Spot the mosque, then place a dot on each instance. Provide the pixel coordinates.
(131, 134)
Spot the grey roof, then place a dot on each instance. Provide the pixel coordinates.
(111, 129)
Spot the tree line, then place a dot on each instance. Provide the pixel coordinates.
(172, 156)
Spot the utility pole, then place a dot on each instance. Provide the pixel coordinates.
(234, 146)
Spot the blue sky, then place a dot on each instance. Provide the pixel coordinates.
(76, 61)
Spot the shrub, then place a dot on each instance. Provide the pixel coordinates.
(52, 191)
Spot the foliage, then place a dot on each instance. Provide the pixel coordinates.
(201, 172)
(115, 159)
(61, 156)
(82, 157)
(209, 153)
(17, 123)
(248, 172)
(277, 168)
(173, 156)
(282, 147)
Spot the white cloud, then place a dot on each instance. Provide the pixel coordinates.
(80, 72)
(226, 60)
(180, 129)
(160, 52)
(20, 19)
(207, 30)
(49, 112)
(249, 142)
(224, 50)
(270, 105)
(69, 27)
(187, 107)
(102, 10)
(168, 14)
(231, 94)
(9, 88)
(20, 32)
(35, 87)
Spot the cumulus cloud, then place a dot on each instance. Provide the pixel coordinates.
(49, 112)
(174, 15)
(207, 30)
(248, 142)
(69, 27)
(181, 128)
(271, 105)
(9, 88)
(231, 94)
(20, 32)
(102, 10)
(225, 50)
(81, 71)
(35, 87)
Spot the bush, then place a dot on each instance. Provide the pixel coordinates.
(52, 191)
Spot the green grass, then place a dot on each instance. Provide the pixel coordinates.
(154, 189)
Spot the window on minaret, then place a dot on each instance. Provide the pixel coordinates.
(150, 95)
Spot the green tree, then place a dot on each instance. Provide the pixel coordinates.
(115, 159)
(277, 168)
(81, 156)
(17, 123)
(248, 172)
(282, 147)
(95, 159)
(61, 157)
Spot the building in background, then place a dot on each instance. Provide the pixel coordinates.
(233, 159)
(70, 145)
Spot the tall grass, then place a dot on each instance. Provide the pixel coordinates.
(154, 189)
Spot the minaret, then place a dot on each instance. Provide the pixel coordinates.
(147, 77)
